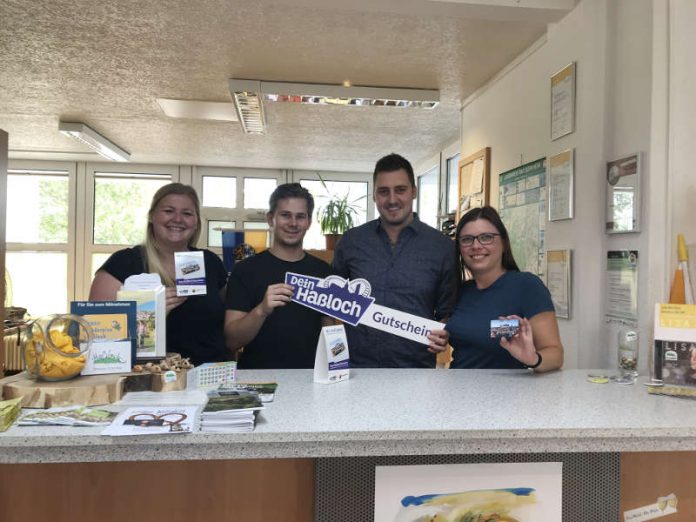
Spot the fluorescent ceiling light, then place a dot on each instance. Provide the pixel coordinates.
(249, 95)
(93, 139)
(198, 110)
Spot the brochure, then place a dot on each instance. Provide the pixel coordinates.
(67, 416)
(332, 361)
(189, 270)
(161, 420)
(675, 350)
(266, 390)
(151, 315)
(9, 411)
(114, 328)
(231, 403)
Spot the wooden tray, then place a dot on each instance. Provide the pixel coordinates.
(90, 390)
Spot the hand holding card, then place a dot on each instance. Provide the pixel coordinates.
(504, 328)
(521, 343)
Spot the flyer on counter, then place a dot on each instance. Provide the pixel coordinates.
(163, 420)
(331, 362)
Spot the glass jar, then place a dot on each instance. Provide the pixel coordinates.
(55, 347)
(628, 351)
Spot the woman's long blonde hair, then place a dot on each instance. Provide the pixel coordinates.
(151, 256)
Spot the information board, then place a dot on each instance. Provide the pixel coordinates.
(522, 206)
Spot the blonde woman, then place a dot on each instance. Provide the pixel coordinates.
(194, 324)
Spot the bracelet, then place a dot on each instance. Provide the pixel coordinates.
(537, 364)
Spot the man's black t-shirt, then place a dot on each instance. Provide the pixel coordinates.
(288, 337)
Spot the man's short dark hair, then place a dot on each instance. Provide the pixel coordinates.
(291, 190)
(393, 162)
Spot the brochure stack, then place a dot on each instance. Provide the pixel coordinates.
(231, 413)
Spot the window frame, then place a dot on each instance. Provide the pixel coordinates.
(85, 234)
(70, 247)
(238, 214)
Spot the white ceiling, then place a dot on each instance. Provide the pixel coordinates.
(105, 63)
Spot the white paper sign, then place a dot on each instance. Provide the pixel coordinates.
(108, 357)
(664, 506)
(189, 270)
(331, 362)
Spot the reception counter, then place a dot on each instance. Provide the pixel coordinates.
(380, 414)
(403, 412)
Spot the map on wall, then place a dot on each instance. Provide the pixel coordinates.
(522, 206)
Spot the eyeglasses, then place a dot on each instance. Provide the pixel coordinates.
(484, 239)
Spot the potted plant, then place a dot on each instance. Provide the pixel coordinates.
(336, 216)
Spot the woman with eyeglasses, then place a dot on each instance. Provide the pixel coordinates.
(493, 288)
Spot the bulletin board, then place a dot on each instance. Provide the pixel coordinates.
(474, 181)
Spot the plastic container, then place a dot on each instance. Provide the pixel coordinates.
(628, 351)
(54, 347)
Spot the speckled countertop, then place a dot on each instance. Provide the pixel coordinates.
(402, 412)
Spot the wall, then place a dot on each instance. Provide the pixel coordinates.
(682, 124)
(611, 45)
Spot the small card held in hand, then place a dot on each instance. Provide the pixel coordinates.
(504, 327)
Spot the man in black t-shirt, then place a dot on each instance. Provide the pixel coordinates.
(260, 316)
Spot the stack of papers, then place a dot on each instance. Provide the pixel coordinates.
(67, 416)
(9, 411)
(231, 413)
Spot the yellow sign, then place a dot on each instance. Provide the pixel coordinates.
(677, 316)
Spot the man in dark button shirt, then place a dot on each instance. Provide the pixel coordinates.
(410, 266)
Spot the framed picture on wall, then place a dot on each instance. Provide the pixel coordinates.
(474, 181)
(563, 102)
(561, 183)
(558, 280)
(623, 195)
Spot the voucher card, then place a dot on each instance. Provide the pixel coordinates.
(351, 302)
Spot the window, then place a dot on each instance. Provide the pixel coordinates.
(121, 205)
(40, 246)
(115, 216)
(428, 197)
(65, 219)
(453, 183)
(339, 185)
(233, 198)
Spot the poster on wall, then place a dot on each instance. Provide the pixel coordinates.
(524, 492)
(558, 280)
(622, 285)
(561, 186)
(563, 102)
(522, 205)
